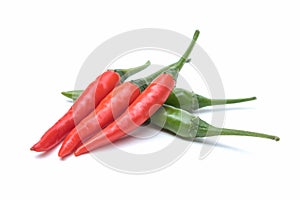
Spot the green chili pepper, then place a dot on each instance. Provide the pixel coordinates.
(187, 125)
(189, 101)
(181, 98)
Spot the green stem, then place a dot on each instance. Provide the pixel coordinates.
(125, 73)
(230, 101)
(214, 131)
(147, 80)
(207, 130)
(174, 71)
(203, 101)
(189, 50)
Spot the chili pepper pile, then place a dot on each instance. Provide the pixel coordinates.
(109, 109)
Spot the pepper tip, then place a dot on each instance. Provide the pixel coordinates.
(62, 154)
(196, 34)
(35, 148)
(80, 150)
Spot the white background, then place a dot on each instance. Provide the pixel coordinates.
(255, 46)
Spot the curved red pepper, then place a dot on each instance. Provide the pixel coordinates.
(87, 102)
(108, 110)
(91, 96)
(114, 104)
(137, 113)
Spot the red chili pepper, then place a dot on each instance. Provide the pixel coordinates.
(136, 114)
(111, 107)
(87, 101)
(101, 117)
(141, 109)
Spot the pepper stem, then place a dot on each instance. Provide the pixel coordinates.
(231, 101)
(125, 73)
(186, 54)
(214, 131)
(203, 101)
(174, 71)
(147, 80)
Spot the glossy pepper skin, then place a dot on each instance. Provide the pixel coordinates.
(136, 114)
(109, 109)
(187, 125)
(112, 106)
(86, 102)
(141, 109)
(181, 98)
